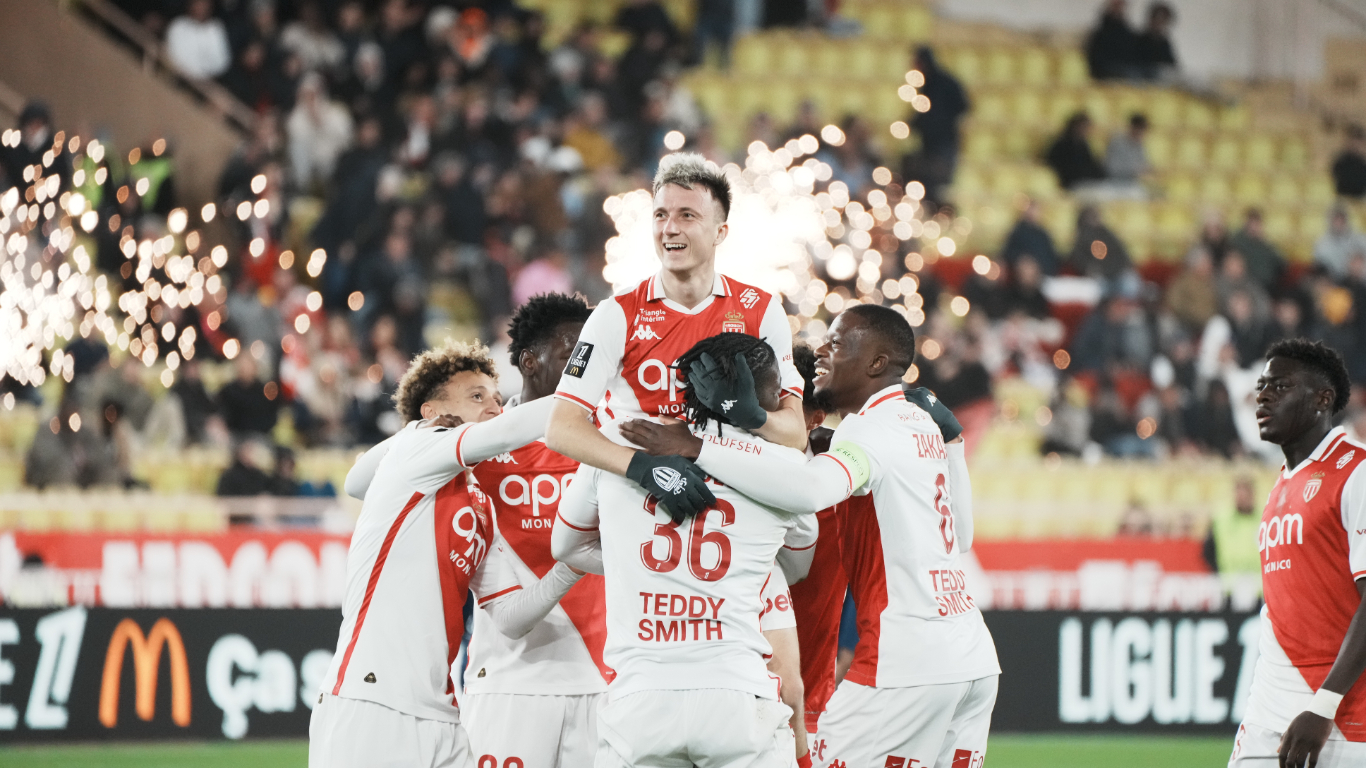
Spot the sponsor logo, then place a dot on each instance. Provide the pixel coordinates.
(644, 333)
(1277, 530)
(966, 758)
(734, 323)
(670, 480)
(1342, 462)
(146, 659)
(749, 298)
(1311, 488)
(578, 362)
(726, 405)
(537, 491)
(504, 458)
(655, 376)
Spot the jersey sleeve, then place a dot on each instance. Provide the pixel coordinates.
(854, 448)
(495, 577)
(775, 330)
(1354, 520)
(428, 457)
(579, 504)
(777, 610)
(596, 358)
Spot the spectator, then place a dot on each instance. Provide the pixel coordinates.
(283, 481)
(1233, 278)
(197, 408)
(35, 139)
(248, 405)
(1212, 425)
(585, 132)
(1070, 155)
(1191, 296)
(1024, 291)
(547, 274)
(1156, 59)
(1336, 247)
(714, 29)
(643, 17)
(309, 39)
(70, 451)
(1126, 161)
(937, 127)
(1069, 425)
(395, 287)
(197, 43)
(1029, 238)
(1263, 261)
(246, 476)
(1098, 252)
(1114, 427)
(1214, 237)
(1112, 47)
(1230, 549)
(1349, 167)
(319, 131)
(1114, 334)
(1250, 334)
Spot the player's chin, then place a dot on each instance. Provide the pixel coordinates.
(1268, 433)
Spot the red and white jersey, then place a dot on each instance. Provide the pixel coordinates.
(917, 623)
(562, 655)
(423, 540)
(626, 351)
(775, 610)
(683, 601)
(1313, 546)
(818, 602)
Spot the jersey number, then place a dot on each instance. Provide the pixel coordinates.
(697, 537)
(945, 514)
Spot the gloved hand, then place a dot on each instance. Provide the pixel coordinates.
(736, 400)
(678, 483)
(943, 417)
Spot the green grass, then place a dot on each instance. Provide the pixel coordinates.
(1006, 751)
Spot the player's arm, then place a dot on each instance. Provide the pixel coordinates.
(960, 491)
(802, 489)
(505, 432)
(787, 425)
(779, 626)
(596, 359)
(571, 434)
(575, 539)
(359, 477)
(799, 548)
(515, 610)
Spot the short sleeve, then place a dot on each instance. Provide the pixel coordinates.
(427, 457)
(777, 610)
(579, 504)
(1354, 520)
(596, 357)
(495, 577)
(775, 330)
(803, 533)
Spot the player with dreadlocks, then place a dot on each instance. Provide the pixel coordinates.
(683, 594)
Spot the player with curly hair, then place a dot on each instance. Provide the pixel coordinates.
(1307, 701)
(424, 540)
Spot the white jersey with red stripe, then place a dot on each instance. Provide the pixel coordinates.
(562, 655)
(424, 538)
(917, 623)
(684, 601)
(626, 351)
(776, 603)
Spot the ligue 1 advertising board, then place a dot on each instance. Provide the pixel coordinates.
(226, 636)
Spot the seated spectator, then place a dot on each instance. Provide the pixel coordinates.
(1263, 261)
(1233, 278)
(1125, 159)
(938, 126)
(1214, 236)
(71, 451)
(1024, 290)
(586, 132)
(1112, 47)
(1191, 295)
(319, 131)
(282, 480)
(1114, 427)
(1029, 238)
(1349, 167)
(197, 43)
(1070, 155)
(1287, 319)
(246, 476)
(309, 39)
(1212, 424)
(248, 405)
(1336, 247)
(1069, 427)
(1115, 333)
(197, 408)
(1156, 59)
(1098, 252)
(1250, 334)
(547, 274)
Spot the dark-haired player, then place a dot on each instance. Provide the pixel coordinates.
(423, 542)
(922, 685)
(1307, 705)
(683, 598)
(624, 361)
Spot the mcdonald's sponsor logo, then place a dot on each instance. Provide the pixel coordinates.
(146, 660)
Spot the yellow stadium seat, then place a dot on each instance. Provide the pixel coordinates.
(1294, 153)
(861, 60)
(1279, 224)
(1234, 118)
(1035, 68)
(1041, 183)
(1061, 106)
(1072, 69)
(1199, 115)
(1311, 224)
(1259, 152)
(969, 182)
(753, 56)
(1225, 153)
(1002, 67)
(1180, 187)
(793, 59)
(1020, 145)
(1159, 148)
(982, 146)
(1060, 219)
(1215, 190)
(1163, 109)
(1175, 222)
(1190, 152)
(827, 59)
(1285, 190)
(1028, 108)
(991, 107)
(1007, 180)
(917, 22)
(1098, 106)
(966, 64)
(1250, 189)
(1318, 192)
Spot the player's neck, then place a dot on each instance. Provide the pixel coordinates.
(1297, 450)
(860, 398)
(689, 288)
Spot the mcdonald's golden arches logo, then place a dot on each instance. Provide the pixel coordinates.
(146, 658)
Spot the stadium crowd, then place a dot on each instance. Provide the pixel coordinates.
(451, 165)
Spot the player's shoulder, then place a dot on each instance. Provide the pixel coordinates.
(746, 295)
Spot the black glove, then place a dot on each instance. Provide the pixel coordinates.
(736, 400)
(678, 483)
(943, 417)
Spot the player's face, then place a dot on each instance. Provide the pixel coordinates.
(688, 227)
(769, 389)
(839, 360)
(1289, 401)
(469, 395)
(549, 361)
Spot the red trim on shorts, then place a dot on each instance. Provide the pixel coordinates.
(576, 400)
(485, 600)
(575, 527)
(370, 588)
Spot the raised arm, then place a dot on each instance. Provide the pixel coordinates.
(505, 432)
(571, 434)
(802, 489)
(575, 539)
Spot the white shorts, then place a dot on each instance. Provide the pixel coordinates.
(935, 726)
(351, 733)
(1255, 747)
(709, 728)
(509, 730)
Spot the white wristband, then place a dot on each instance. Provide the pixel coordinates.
(1325, 703)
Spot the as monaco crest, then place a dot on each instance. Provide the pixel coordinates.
(734, 323)
(1311, 488)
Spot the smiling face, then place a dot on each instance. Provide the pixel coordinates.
(470, 395)
(688, 227)
(841, 363)
(1290, 400)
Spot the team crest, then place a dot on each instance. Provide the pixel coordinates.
(734, 323)
(1342, 462)
(1311, 488)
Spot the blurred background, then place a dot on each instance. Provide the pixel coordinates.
(228, 225)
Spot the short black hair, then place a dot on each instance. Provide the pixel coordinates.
(535, 322)
(893, 328)
(723, 347)
(1323, 360)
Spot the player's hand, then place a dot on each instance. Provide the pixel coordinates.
(819, 439)
(943, 417)
(1303, 740)
(678, 483)
(671, 437)
(736, 400)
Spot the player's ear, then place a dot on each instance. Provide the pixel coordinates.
(721, 234)
(878, 365)
(427, 410)
(526, 362)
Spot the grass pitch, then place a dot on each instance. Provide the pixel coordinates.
(1005, 751)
